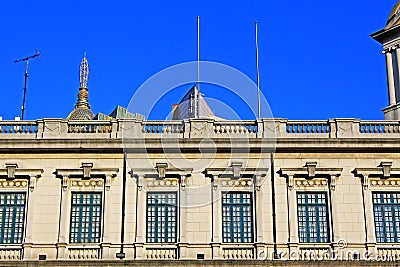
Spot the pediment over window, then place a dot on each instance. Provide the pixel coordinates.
(383, 170)
(384, 175)
(162, 171)
(13, 176)
(236, 176)
(86, 172)
(311, 176)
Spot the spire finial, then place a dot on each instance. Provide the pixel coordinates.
(83, 94)
(84, 72)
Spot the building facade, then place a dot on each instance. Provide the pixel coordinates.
(202, 188)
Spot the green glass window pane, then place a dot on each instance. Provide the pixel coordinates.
(12, 210)
(312, 218)
(387, 217)
(161, 217)
(237, 217)
(85, 223)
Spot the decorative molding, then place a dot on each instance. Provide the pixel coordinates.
(311, 176)
(19, 175)
(65, 182)
(86, 184)
(17, 183)
(311, 169)
(386, 168)
(161, 169)
(86, 169)
(237, 183)
(236, 176)
(236, 169)
(161, 175)
(86, 172)
(384, 175)
(11, 170)
(165, 182)
(183, 181)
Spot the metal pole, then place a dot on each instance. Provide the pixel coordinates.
(26, 59)
(197, 94)
(25, 82)
(258, 74)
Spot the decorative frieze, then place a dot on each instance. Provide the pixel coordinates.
(161, 176)
(383, 177)
(91, 184)
(379, 183)
(237, 176)
(174, 182)
(241, 182)
(13, 184)
(311, 176)
(87, 177)
(16, 177)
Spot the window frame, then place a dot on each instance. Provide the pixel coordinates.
(242, 227)
(307, 239)
(100, 218)
(162, 240)
(383, 239)
(24, 215)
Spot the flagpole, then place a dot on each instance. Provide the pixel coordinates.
(197, 94)
(258, 73)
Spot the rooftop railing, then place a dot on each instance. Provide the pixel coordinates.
(198, 128)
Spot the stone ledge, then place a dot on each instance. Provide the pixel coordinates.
(220, 263)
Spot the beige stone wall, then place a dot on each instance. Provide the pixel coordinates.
(200, 230)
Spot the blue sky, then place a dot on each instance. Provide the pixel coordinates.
(317, 60)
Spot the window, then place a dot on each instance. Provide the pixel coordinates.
(12, 215)
(161, 217)
(387, 217)
(85, 218)
(313, 217)
(237, 218)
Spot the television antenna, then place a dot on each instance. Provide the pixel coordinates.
(26, 59)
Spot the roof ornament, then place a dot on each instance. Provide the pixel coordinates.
(82, 108)
(83, 93)
(84, 72)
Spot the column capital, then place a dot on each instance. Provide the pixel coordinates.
(290, 181)
(65, 182)
(32, 183)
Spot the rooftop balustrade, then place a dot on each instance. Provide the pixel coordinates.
(198, 128)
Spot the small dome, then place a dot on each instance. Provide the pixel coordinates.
(394, 17)
(81, 114)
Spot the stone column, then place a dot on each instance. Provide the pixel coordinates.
(64, 218)
(335, 210)
(216, 219)
(293, 227)
(182, 207)
(370, 225)
(259, 209)
(390, 77)
(369, 217)
(106, 219)
(140, 219)
(27, 244)
(260, 242)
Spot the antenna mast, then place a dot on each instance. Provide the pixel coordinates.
(26, 59)
(197, 93)
(258, 73)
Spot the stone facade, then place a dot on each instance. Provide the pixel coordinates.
(204, 191)
(199, 160)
